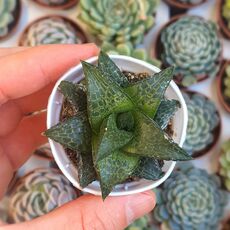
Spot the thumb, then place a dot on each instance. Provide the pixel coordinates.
(90, 212)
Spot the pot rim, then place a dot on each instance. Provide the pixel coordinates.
(64, 168)
(65, 6)
(184, 6)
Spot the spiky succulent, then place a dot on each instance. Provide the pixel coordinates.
(119, 131)
(38, 193)
(202, 120)
(7, 9)
(118, 21)
(227, 82)
(226, 12)
(191, 199)
(192, 45)
(53, 2)
(52, 30)
(225, 164)
(191, 2)
(129, 50)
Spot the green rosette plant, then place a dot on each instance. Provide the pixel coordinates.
(118, 21)
(38, 193)
(7, 9)
(203, 118)
(192, 45)
(129, 50)
(225, 164)
(226, 12)
(116, 127)
(190, 199)
(51, 30)
(227, 82)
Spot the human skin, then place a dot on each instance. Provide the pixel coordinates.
(27, 76)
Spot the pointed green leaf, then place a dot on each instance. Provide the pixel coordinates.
(111, 138)
(103, 96)
(85, 168)
(75, 94)
(111, 71)
(150, 141)
(115, 169)
(149, 169)
(125, 121)
(73, 133)
(165, 112)
(148, 93)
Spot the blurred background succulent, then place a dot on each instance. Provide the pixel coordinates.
(7, 17)
(225, 163)
(118, 21)
(192, 45)
(140, 224)
(128, 50)
(192, 2)
(190, 199)
(38, 193)
(227, 82)
(51, 30)
(203, 118)
(226, 12)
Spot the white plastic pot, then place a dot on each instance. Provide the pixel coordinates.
(180, 120)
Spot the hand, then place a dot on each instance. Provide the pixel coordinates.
(26, 79)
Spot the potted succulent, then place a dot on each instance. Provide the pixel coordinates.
(204, 124)
(223, 86)
(116, 127)
(53, 29)
(192, 45)
(57, 4)
(190, 199)
(39, 192)
(117, 21)
(10, 11)
(224, 17)
(226, 224)
(185, 4)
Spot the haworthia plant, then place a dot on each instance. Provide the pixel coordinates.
(226, 12)
(123, 132)
(225, 164)
(38, 193)
(192, 2)
(202, 120)
(7, 8)
(227, 82)
(53, 2)
(118, 21)
(190, 199)
(53, 30)
(192, 45)
(127, 49)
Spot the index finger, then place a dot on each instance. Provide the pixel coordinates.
(26, 72)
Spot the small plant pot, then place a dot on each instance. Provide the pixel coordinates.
(182, 6)
(215, 132)
(220, 87)
(225, 225)
(179, 124)
(158, 50)
(13, 25)
(221, 21)
(79, 31)
(64, 6)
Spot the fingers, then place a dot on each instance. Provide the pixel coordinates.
(90, 212)
(28, 71)
(11, 50)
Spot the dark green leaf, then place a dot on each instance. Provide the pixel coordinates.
(165, 112)
(75, 94)
(148, 93)
(103, 96)
(149, 169)
(115, 169)
(111, 138)
(125, 121)
(111, 70)
(73, 133)
(149, 140)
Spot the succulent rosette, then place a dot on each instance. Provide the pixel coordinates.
(192, 45)
(226, 12)
(118, 21)
(225, 163)
(203, 119)
(190, 199)
(8, 16)
(38, 193)
(227, 83)
(51, 30)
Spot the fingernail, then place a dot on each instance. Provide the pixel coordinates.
(138, 205)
